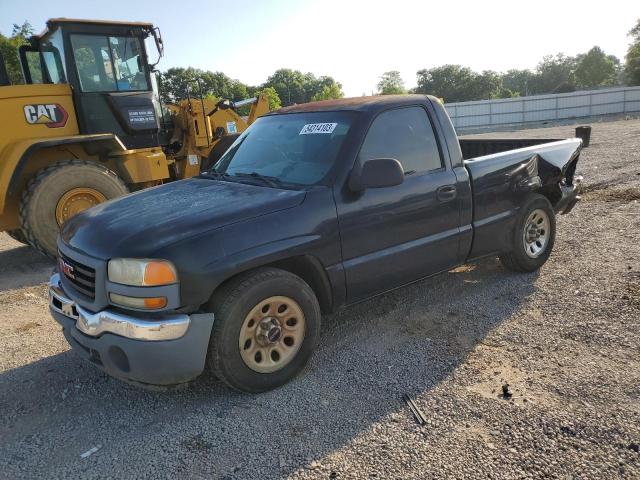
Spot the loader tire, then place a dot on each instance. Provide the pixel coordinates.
(18, 235)
(60, 191)
(533, 236)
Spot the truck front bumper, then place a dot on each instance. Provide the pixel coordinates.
(161, 351)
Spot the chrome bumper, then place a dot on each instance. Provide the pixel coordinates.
(167, 327)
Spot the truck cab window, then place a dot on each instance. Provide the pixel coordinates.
(109, 64)
(405, 134)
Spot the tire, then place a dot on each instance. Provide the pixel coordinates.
(232, 360)
(44, 192)
(529, 250)
(217, 151)
(18, 235)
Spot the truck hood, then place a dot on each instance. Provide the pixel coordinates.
(141, 223)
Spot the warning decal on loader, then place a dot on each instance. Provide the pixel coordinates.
(50, 114)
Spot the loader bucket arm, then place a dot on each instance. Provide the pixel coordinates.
(259, 108)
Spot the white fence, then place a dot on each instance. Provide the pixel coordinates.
(544, 108)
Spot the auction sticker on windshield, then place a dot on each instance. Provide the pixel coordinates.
(310, 128)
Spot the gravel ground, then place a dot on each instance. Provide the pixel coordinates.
(565, 339)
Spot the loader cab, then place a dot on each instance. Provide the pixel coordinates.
(107, 66)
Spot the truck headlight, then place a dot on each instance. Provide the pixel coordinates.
(142, 272)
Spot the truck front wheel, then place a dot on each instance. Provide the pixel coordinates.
(266, 327)
(533, 237)
(61, 191)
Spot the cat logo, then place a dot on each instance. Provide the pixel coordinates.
(50, 114)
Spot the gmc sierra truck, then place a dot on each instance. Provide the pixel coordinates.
(313, 208)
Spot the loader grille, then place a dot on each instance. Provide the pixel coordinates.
(81, 277)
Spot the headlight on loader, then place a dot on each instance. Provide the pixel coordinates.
(142, 272)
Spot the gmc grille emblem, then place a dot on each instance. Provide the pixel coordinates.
(66, 269)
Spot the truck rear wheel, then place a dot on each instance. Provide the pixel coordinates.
(18, 235)
(267, 325)
(61, 191)
(533, 237)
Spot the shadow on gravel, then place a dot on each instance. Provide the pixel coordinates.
(406, 341)
(23, 267)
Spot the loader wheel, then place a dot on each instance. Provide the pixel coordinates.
(61, 191)
(18, 235)
(533, 237)
(267, 325)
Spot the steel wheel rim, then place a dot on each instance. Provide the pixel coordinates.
(536, 234)
(75, 201)
(272, 334)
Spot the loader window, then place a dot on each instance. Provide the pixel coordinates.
(109, 64)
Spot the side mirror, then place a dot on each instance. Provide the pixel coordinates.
(377, 173)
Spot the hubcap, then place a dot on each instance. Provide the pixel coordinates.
(75, 201)
(271, 334)
(536, 233)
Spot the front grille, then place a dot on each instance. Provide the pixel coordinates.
(81, 277)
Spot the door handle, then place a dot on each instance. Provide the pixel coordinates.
(446, 193)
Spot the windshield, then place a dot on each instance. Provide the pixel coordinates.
(298, 148)
(109, 64)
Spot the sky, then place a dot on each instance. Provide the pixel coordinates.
(354, 41)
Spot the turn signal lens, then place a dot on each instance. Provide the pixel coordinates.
(153, 303)
(159, 273)
(142, 272)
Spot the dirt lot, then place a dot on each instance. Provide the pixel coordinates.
(565, 339)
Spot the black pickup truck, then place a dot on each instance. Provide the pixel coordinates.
(313, 208)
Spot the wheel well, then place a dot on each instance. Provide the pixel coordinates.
(551, 192)
(309, 269)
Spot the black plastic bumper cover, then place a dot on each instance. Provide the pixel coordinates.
(160, 363)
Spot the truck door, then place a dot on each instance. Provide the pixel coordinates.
(395, 235)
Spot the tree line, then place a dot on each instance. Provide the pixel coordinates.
(284, 87)
(453, 83)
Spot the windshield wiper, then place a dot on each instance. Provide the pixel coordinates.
(273, 182)
(215, 175)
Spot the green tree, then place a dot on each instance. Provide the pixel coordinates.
(595, 68)
(326, 88)
(554, 74)
(294, 86)
(175, 82)
(9, 49)
(455, 83)
(391, 83)
(328, 92)
(632, 65)
(272, 96)
(518, 81)
(289, 84)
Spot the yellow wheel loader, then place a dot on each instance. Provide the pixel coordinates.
(88, 126)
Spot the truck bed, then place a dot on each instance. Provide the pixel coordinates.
(505, 171)
(478, 147)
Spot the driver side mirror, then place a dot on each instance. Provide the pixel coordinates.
(376, 173)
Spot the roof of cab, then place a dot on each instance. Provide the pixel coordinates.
(375, 102)
(53, 22)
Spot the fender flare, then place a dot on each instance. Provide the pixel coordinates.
(96, 144)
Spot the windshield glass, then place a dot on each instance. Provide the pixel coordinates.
(109, 64)
(297, 148)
